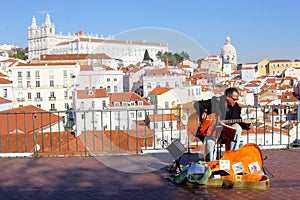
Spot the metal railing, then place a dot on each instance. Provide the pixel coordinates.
(131, 130)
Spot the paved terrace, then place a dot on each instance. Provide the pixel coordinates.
(132, 177)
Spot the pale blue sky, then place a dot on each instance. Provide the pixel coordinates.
(257, 28)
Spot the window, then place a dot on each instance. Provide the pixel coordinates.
(117, 104)
(131, 115)
(37, 74)
(51, 74)
(52, 94)
(82, 105)
(38, 95)
(140, 103)
(155, 125)
(148, 85)
(4, 92)
(28, 84)
(132, 103)
(158, 84)
(65, 73)
(28, 74)
(66, 94)
(115, 88)
(51, 83)
(20, 95)
(19, 84)
(166, 104)
(29, 95)
(103, 104)
(108, 79)
(93, 104)
(140, 114)
(167, 84)
(65, 83)
(108, 89)
(52, 105)
(37, 84)
(38, 105)
(19, 75)
(115, 79)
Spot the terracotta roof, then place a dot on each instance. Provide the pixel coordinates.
(92, 93)
(3, 100)
(2, 75)
(73, 56)
(163, 117)
(5, 81)
(86, 68)
(252, 85)
(157, 72)
(107, 68)
(160, 90)
(98, 40)
(44, 64)
(288, 97)
(21, 119)
(273, 61)
(237, 72)
(125, 97)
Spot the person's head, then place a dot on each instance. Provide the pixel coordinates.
(232, 96)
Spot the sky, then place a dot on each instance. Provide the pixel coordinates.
(258, 28)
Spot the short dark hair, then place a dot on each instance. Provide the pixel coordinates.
(230, 91)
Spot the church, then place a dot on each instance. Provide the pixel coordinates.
(44, 40)
(229, 57)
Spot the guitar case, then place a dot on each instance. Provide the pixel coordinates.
(242, 168)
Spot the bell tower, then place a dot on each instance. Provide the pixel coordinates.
(48, 35)
(34, 34)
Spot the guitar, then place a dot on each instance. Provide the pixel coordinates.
(209, 127)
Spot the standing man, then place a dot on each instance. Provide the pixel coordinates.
(226, 108)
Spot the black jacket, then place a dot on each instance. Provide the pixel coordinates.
(217, 105)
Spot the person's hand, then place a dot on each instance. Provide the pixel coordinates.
(204, 116)
(246, 126)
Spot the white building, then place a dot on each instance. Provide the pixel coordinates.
(161, 78)
(168, 98)
(126, 109)
(229, 57)
(6, 87)
(112, 80)
(44, 41)
(213, 64)
(248, 74)
(46, 86)
(90, 113)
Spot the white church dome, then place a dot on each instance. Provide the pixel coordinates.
(228, 48)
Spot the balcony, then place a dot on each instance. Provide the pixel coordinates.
(20, 99)
(52, 98)
(37, 99)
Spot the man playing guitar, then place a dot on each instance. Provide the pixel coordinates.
(224, 108)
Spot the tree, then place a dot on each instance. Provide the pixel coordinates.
(20, 54)
(178, 57)
(147, 56)
(185, 55)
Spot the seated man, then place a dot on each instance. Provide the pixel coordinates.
(226, 108)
